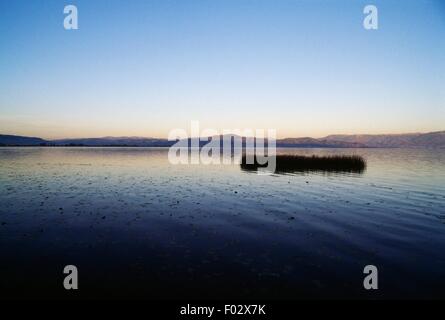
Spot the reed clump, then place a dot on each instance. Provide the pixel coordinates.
(298, 163)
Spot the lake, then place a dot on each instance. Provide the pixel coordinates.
(137, 226)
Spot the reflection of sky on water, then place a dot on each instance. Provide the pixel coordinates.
(129, 212)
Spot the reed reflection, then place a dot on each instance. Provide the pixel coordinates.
(286, 163)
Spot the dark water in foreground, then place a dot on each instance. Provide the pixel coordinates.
(137, 226)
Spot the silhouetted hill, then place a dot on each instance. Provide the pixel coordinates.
(114, 141)
(11, 140)
(431, 139)
(436, 139)
(317, 143)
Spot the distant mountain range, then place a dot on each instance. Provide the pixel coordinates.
(431, 139)
(114, 141)
(412, 140)
(8, 140)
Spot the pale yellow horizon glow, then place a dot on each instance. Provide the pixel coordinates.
(50, 129)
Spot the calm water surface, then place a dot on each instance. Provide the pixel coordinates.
(137, 226)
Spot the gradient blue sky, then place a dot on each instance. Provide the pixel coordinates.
(305, 68)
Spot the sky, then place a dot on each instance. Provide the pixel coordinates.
(143, 68)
